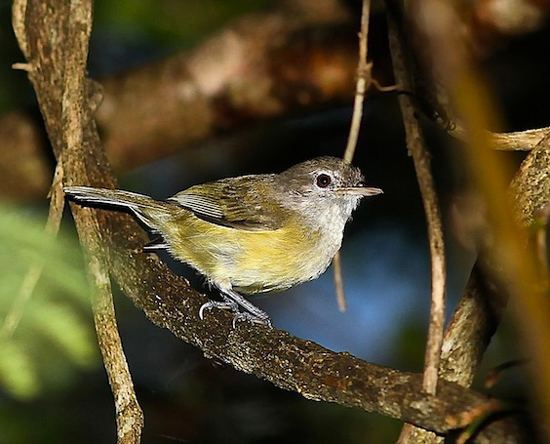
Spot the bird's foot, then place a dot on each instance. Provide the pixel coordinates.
(240, 316)
(249, 317)
(226, 305)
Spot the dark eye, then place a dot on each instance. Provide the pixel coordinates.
(323, 180)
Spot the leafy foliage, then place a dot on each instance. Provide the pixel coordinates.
(54, 336)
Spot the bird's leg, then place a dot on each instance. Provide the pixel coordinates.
(252, 313)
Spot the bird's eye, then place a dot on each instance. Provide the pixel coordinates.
(323, 180)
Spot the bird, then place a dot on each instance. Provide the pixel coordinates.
(250, 234)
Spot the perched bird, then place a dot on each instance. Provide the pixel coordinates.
(251, 234)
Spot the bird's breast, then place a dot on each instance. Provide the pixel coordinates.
(279, 259)
(258, 261)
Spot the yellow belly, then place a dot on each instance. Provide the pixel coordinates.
(249, 261)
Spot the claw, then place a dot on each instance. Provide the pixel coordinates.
(215, 304)
(247, 317)
(259, 317)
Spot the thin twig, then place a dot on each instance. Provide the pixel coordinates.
(339, 282)
(416, 146)
(57, 203)
(495, 374)
(363, 82)
(513, 141)
(76, 111)
(421, 158)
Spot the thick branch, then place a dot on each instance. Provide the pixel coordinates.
(531, 185)
(471, 328)
(479, 311)
(54, 36)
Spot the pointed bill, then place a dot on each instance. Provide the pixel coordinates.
(360, 191)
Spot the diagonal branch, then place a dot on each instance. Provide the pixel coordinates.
(512, 263)
(480, 309)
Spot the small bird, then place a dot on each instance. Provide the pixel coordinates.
(250, 234)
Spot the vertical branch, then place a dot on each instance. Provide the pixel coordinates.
(58, 77)
(416, 146)
(339, 282)
(510, 267)
(470, 330)
(363, 82)
(421, 158)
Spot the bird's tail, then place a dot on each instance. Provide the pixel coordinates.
(151, 212)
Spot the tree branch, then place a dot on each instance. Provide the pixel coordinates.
(511, 263)
(361, 86)
(421, 158)
(54, 36)
(515, 141)
(129, 416)
(479, 311)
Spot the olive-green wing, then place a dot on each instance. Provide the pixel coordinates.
(244, 203)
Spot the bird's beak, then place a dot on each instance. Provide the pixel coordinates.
(361, 191)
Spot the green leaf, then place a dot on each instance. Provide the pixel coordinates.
(54, 338)
(65, 329)
(17, 372)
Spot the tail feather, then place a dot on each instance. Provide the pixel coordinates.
(150, 211)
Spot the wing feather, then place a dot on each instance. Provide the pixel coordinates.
(244, 203)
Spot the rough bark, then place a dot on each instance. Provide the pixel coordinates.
(54, 37)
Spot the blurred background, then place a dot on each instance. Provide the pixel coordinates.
(52, 384)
